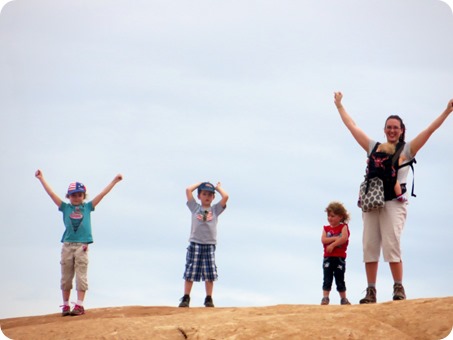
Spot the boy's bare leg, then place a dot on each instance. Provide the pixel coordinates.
(209, 287)
(187, 287)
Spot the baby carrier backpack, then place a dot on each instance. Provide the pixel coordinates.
(381, 177)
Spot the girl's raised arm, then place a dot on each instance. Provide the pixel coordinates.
(57, 200)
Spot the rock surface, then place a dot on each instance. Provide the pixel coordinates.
(411, 319)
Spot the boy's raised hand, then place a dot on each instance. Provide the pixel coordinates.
(38, 174)
(222, 192)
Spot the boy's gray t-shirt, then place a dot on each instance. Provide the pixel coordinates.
(204, 222)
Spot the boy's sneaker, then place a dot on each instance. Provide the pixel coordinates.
(398, 292)
(78, 310)
(344, 301)
(66, 310)
(370, 296)
(208, 301)
(185, 301)
(325, 301)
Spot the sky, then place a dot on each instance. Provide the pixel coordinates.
(239, 92)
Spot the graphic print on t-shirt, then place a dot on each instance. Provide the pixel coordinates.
(331, 234)
(76, 218)
(204, 216)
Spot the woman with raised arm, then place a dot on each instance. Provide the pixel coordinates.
(382, 228)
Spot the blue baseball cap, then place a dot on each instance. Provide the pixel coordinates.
(76, 187)
(206, 186)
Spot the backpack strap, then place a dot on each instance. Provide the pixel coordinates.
(374, 149)
(369, 160)
(396, 156)
(411, 163)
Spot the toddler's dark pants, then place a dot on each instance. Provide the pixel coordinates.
(334, 267)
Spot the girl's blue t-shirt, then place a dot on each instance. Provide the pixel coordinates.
(77, 222)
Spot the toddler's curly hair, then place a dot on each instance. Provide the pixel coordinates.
(338, 209)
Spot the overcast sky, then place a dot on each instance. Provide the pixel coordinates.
(170, 93)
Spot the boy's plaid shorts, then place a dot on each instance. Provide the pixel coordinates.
(200, 263)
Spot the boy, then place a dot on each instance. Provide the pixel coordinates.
(335, 239)
(200, 258)
(76, 238)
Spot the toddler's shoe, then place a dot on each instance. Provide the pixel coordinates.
(325, 301)
(344, 301)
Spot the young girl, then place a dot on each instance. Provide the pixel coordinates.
(76, 238)
(335, 239)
